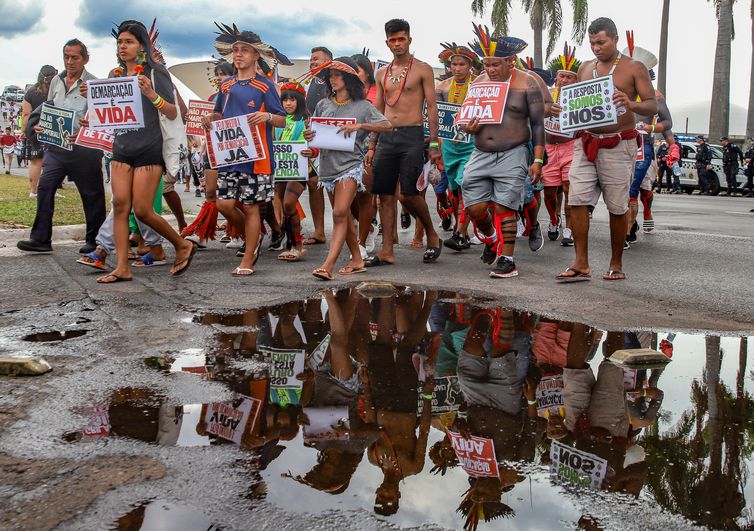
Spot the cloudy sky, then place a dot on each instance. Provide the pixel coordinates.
(33, 31)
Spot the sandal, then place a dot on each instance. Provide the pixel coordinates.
(242, 272)
(148, 260)
(292, 255)
(186, 261)
(577, 276)
(350, 270)
(116, 278)
(613, 275)
(416, 244)
(432, 254)
(313, 241)
(94, 260)
(322, 273)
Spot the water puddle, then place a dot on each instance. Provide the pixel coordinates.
(429, 407)
(54, 335)
(159, 515)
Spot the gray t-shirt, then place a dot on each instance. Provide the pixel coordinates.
(335, 163)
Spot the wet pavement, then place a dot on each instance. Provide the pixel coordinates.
(371, 408)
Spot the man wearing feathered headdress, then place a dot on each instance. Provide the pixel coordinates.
(559, 147)
(497, 169)
(604, 162)
(463, 64)
(255, 97)
(645, 171)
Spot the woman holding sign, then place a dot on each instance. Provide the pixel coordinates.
(137, 165)
(341, 168)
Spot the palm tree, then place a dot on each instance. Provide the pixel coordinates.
(750, 117)
(542, 14)
(719, 119)
(663, 70)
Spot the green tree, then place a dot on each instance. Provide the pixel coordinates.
(719, 119)
(543, 14)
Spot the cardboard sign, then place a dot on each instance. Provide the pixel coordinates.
(588, 104)
(446, 114)
(285, 388)
(57, 125)
(114, 103)
(233, 141)
(327, 136)
(229, 420)
(476, 456)
(485, 101)
(550, 396)
(570, 465)
(446, 396)
(90, 138)
(290, 165)
(197, 109)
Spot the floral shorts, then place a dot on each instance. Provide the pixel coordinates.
(247, 188)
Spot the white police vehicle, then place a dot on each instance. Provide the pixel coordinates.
(716, 175)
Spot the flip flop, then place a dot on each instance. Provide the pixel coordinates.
(313, 241)
(322, 274)
(292, 255)
(186, 260)
(613, 276)
(350, 270)
(148, 260)
(376, 261)
(116, 277)
(95, 261)
(415, 244)
(432, 254)
(241, 272)
(578, 276)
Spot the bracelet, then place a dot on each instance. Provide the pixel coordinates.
(156, 100)
(653, 128)
(427, 396)
(539, 160)
(270, 116)
(160, 105)
(434, 145)
(532, 402)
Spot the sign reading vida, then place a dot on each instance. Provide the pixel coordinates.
(114, 103)
(484, 101)
(233, 141)
(588, 104)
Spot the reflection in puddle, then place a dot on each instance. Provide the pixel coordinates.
(160, 515)
(54, 335)
(427, 408)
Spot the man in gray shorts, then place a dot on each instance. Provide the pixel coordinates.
(497, 169)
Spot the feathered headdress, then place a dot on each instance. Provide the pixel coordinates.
(153, 32)
(229, 35)
(566, 62)
(528, 64)
(322, 71)
(475, 511)
(452, 49)
(487, 46)
(640, 54)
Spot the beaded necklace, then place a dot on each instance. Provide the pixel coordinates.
(457, 93)
(403, 77)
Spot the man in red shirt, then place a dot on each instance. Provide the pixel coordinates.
(8, 141)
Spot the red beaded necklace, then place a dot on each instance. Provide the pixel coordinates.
(389, 69)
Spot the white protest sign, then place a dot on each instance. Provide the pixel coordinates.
(476, 455)
(588, 104)
(229, 419)
(550, 396)
(90, 138)
(285, 388)
(290, 165)
(114, 103)
(576, 466)
(485, 102)
(326, 135)
(552, 123)
(233, 141)
(324, 421)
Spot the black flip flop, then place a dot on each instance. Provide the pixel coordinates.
(579, 276)
(433, 252)
(375, 261)
(187, 260)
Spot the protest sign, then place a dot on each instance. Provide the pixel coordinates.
(285, 388)
(549, 396)
(90, 138)
(233, 141)
(57, 125)
(446, 114)
(290, 165)
(485, 101)
(476, 455)
(197, 109)
(640, 150)
(446, 396)
(577, 467)
(317, 356)
(324, 423)
(99, 422)
(588, 104)
(328, 137)
(114, 103)
(229, 420)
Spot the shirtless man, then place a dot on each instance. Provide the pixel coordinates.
(612, 150)
(403, 87)
(559, 147)
(645, 171)
(497, 169)
(461, 62)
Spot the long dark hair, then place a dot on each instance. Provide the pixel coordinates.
(42, 81)
(354, 86)
(301, 112)
(366, 65)
(139, 30)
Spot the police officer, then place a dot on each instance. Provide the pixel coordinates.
(703, 164)
(732, 155)
(749, 156)
(662, 167)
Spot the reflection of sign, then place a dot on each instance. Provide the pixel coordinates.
(476, 455)
(446, 396)
(315, 359)
(197, 110)
(550, 396)
(575, 466)
(115, 103)
(324, 423)
(57, 125)
(233, 141)
(90, 138)
(285, 388)
(290, 165)
(229, 420)
(99, 422)
(588, 104)
(485, 101)
(446, 114)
